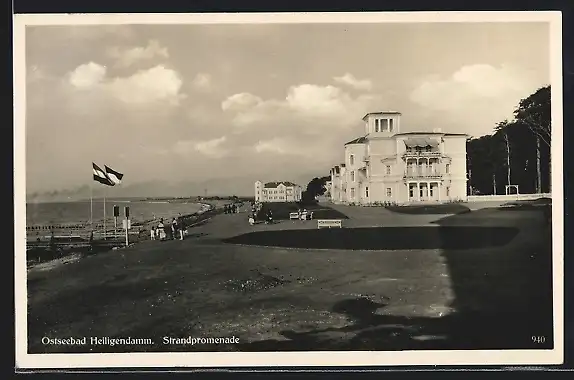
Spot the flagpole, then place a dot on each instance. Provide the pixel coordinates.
(105, 230)
(91, 206)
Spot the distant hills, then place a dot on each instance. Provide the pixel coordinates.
(240, 186)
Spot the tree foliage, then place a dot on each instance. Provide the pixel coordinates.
(487, 155)
(315, 188)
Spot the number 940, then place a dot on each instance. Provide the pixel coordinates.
(538, 339)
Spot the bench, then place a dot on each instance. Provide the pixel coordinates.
(329, 223)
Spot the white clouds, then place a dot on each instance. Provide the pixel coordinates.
(475, 97)
(281, 146)
(202, 81)
(474, 82)
(212, 148)
(157, 84)
(359, 84)
(306, 103)
(128, 57)
(87, 75)
(240, 102)
(148, 86)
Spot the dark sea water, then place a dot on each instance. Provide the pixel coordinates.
(79, 212)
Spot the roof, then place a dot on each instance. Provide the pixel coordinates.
(420, 142)
(358, 140)
(270, 185)
(382, 113)
(429, 133)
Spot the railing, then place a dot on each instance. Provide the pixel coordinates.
(423, 174)
(416, 154)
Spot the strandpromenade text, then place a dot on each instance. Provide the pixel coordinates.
(129, 341)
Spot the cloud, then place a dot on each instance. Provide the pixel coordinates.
(147, 86)
(127, 57)
(87, 75)
(282, 146)
(202, 81)
(157, 84)
(240, 102)
(305, 103)
(475, 97)
(359, 84)
(212, 148)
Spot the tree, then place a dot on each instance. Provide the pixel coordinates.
(317, 187)
(535, 112)
(520, 147)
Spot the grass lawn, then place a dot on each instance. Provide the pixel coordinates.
(435, 295)
(281, 210)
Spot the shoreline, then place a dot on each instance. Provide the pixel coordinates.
(63, 255)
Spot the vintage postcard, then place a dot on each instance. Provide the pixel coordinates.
(264, 190)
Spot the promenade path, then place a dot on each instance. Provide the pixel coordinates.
(299, 299)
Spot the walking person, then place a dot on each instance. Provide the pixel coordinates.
(174, 229)
(152, 232)
(161, 230)
(181, 229)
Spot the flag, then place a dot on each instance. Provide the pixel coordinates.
(115, 176)
(101, 176)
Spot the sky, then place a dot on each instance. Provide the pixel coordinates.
(262, 102)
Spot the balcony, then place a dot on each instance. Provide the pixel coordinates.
(423, 174)
(421, 154)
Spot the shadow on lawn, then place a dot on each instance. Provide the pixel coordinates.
(439, 209)
(382, 238)
(503, 300)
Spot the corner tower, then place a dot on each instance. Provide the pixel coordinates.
(382, 124)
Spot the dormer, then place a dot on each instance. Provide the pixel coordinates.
(382, 124)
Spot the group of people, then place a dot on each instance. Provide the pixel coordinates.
(230, 209)
(160, 232)
(268, 217)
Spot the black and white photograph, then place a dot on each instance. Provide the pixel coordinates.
(298, 189)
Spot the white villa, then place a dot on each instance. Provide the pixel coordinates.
(277, 192)
(386, 165)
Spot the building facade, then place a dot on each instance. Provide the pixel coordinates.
(277, 192)
(386, 165)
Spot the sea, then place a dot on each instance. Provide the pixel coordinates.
(78, 212)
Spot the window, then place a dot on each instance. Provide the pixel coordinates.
(353, 176)
(352, 192)
(421, 192)
(390, 125)
(411, 191)
(384, 125)
(448, 191)
(376, 125)
(388, 169)
(389, 192)
(366, 192)
(352, 159)
(447, 168)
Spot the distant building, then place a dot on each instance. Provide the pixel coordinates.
(386, 165)
(277, 192)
